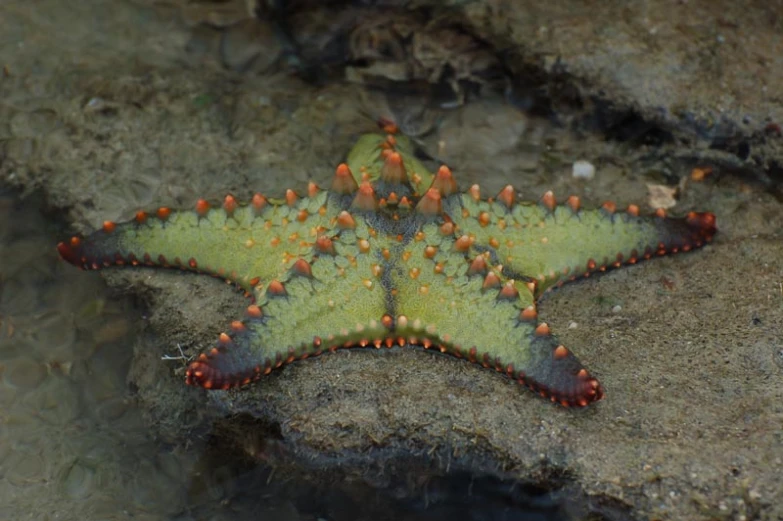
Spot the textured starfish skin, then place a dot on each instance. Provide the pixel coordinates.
(392, 254)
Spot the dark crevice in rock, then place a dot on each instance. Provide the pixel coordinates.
(249, 459)
(550, 91)
(559, 96)
(626, 125)
(776, 175)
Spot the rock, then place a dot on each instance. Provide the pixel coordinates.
(690, 426)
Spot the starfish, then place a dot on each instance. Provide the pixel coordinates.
(393, 255)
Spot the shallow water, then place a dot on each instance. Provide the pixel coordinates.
(74, 445)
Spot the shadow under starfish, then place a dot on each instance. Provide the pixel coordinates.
(392, 254)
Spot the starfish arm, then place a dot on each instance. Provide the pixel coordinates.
(453, 299)
(553, 244)
(245, 244)
(335, 300)
(364, 157)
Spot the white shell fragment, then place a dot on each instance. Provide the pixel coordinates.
(583, 169)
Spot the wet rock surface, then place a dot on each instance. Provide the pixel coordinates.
(110, 117)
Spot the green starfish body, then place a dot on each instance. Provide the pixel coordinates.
(392, 254)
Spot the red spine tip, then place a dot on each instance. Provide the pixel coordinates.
(68, 253)
(703, 221)
(202, 207)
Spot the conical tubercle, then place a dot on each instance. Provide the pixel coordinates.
(393, 168)
(344, 182)
(430, 203)
(444, 182)
(365, 198)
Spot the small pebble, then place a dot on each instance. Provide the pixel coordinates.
(78, 482)
(583, 169)
(25, 469)
(112, 331)
(617, 308)
(24, 373)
